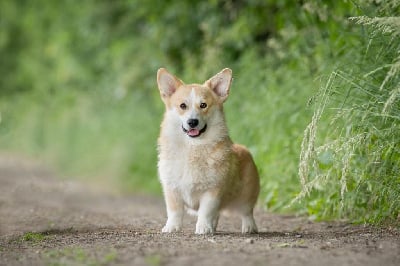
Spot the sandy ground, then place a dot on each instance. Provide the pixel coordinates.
(47, 221)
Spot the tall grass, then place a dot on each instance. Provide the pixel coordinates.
(353, 171)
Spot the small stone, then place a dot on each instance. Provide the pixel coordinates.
(212, 240)
(249, 241)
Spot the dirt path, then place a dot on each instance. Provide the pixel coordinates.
(45, 221)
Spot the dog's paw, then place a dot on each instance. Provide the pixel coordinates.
(249, 226)
(203, 228)
(168, 228)
(249, 229)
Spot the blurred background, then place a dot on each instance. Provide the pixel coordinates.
(315, 93)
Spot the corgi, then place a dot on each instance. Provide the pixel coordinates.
(200, 168)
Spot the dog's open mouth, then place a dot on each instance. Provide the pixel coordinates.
(194, 132)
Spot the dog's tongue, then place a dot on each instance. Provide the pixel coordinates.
(193, 132)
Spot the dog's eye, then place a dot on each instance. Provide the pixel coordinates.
(203, 105)
(183, 106)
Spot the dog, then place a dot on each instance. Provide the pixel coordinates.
(200, 168)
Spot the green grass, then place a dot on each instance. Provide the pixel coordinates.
(353, 171)
(33, 237)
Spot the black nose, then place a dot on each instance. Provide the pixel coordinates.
(193, 122)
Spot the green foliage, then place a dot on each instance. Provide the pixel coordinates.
(33, 237)
(78, 85)
(356, 167)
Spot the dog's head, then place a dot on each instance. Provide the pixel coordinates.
(196, 105)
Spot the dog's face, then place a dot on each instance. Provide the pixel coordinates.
(194, 104)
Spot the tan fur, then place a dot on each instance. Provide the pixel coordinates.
(199, 167)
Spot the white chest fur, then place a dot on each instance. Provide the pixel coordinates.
(193, 169)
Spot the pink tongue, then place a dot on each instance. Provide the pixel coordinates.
(193, 132)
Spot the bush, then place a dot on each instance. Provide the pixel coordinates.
(353, 171)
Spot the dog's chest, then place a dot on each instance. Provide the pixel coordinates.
(194, 169)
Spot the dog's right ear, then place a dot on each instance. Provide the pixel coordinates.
(167, 83)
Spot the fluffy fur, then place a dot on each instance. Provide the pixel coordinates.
(200, 169)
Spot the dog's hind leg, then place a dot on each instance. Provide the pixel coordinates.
(248, 223)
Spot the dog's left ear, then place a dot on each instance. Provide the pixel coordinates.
(221, 83)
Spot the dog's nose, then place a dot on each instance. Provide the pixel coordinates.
(193, 122)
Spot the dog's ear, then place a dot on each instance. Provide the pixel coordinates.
(167, 83)
(221, 83)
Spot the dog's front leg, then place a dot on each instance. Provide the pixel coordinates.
(208, 214)
(175, 209)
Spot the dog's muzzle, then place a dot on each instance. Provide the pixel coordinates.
(194, 132)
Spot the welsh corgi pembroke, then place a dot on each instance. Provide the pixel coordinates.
(199, 167)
